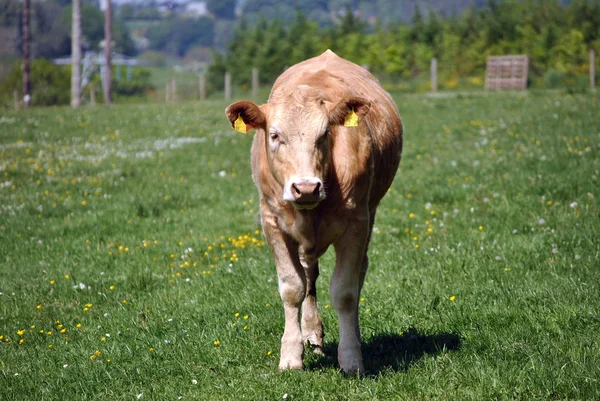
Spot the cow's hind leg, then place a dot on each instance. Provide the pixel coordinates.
(345, 290)
(312, 326)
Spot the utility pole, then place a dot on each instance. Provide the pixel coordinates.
(26, 54)
(107, 52)
(76, 55)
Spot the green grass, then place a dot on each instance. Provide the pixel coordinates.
(484, 279)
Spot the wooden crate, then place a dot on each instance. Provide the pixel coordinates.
(506, 72)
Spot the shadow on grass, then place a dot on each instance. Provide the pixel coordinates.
(392, 352)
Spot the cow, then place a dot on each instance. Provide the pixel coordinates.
(327, 146)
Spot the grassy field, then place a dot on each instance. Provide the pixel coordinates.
(132, 264)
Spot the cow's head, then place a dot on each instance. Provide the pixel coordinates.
(299, 125)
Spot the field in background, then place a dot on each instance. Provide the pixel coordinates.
(132, 265)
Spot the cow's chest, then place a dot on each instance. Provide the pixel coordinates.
(315, 232)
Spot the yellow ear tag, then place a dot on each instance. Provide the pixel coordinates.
(239, 124)
(351, 119)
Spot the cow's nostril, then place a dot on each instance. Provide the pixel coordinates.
(317, 188)
(296, 191)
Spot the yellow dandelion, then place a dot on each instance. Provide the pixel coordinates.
(246, 317)
(269, 353)
(480, 228)
(411, 216)
(52, 282)
(112, 287)
(67, 276)
(452, 298)
(63, 331)
(151, 349)
(39, 306)
(21, 341)
(217, 342)
(21, 332)
(124, 301)
(49, 345)
(237, 314)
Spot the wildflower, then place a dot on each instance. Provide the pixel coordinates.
(411, 216)
(21, 341)
(237, 314)
(480, 228)
(103, 339)
(269, 353)
(452, 298)
(67, 276)
(506, 269)
(63, 331)
(124, 301)
(21, 332)
(52, 282)
(151, 349)
(49, 333)
(112, 287)
(246, 317)
(50, 346)
(362, 300)
(194, 382)
(217, 342)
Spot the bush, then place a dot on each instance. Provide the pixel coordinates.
(50, 84)
(138, 85)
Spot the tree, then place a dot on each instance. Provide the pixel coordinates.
(76, 55)
(107, 53)
(223, 9)
(26, 43)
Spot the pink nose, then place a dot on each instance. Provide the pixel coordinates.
(306, 191)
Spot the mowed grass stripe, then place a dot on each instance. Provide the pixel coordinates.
(131, 235)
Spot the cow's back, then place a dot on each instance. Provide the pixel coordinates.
(339, 78)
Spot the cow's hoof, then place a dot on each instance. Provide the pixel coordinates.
(351, 362)
(290, 364)
(315, 342)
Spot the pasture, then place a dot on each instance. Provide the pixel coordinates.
(132, 265)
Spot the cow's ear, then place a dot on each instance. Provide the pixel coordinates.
(349, 112)
(245, 116)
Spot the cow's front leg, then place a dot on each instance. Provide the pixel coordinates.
(312, 326)
(345, 291)
(292, 288)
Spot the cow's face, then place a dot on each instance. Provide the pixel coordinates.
(298, 136)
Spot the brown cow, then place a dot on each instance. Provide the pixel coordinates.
(326, 149)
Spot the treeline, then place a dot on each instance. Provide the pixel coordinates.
(51, 28)
(556, 38)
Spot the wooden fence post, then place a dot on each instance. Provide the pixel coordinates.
(227, 86)
(255, 83)
(174, 90)
(202, 88)
(92, 95)
(434, 80)
(593, 69)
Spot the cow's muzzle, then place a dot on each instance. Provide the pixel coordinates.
(305, 193)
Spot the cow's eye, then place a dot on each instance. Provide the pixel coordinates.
(274, 136)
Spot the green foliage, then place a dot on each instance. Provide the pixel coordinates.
(553, 36)
(176, 36)
(50, 84)
(224, 9)
(139, 84)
